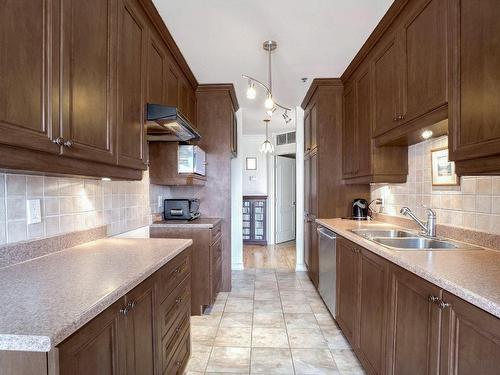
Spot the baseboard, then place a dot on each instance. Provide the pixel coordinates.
(300, 267)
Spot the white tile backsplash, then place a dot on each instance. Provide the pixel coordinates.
(474, 204)
(71, 204)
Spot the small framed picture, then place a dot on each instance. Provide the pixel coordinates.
(251, 164)
(443, 170)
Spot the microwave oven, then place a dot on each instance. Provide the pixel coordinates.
(191, 159)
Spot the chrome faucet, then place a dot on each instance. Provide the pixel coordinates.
(428, 228)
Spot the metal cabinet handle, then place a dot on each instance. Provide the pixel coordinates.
(178, 300)
(124, 311)
(433, 299)
(443, 305)
(68, 143)
(58, 141)
(131, 305)
(395, 118)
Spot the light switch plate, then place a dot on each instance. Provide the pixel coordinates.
(34, 211)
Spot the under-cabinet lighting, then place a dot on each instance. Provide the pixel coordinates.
(426, 134)
(105, 179)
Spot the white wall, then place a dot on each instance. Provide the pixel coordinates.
(237, 166)
(254, 182)
(299, 158)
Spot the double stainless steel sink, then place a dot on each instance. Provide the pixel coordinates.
(400, 239)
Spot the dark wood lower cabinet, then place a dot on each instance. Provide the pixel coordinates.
(141, 334)
(398, 323)
(413, 345)
(470, 341)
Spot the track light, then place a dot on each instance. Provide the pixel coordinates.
(271, 111)
(286, 118)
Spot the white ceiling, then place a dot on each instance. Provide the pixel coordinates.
(222, 39)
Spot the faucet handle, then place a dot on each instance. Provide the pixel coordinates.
(430, 211)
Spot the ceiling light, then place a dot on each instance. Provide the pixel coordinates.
(267, 147)
(426, 134)
(270, 104)
(271, 111)
(106, 179)
(251, 93)
(286, 117)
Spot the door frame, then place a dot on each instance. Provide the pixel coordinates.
(275, 184)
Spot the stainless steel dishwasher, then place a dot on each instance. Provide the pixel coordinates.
(327, 267)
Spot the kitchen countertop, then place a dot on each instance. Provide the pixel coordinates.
(46, 299)
(473, 275)
(201, 222)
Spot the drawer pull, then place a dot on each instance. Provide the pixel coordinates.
(443, 305)
(178, 363)
(124, 311)
(178, 300)
(433, 299)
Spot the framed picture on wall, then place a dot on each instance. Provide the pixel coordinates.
(443, 170)
(251, 164)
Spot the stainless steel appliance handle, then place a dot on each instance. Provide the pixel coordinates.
(326, 233)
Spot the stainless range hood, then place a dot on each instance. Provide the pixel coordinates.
(167, 124)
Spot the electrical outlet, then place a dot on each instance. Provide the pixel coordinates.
(34, 211)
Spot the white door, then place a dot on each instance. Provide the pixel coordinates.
(285, 199)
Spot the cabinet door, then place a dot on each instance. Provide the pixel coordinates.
(97, 348)
(314, 126)
(313, 193)
(307, 185)
(172, 83)
(373, 287)
(386, 85)
(413, 332)
(363, 149)
(474, 55)
(307, 130)
(307, 242)
(26, 68)
(347, 289)
(424, 59)
(88, 48)
(471, 339)
(157, 74)
(349, 151)
(132, 51)
(139, 330)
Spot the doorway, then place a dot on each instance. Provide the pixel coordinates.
(285, 202)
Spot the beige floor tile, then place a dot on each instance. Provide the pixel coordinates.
(211, 320)
(335, 338)
(241, 293)
(203, 335)
(325, 320)
(268, 306)
(318, 307)
(230, 360)
(292, 307)
(230, 319)
(199, 358)
(271, 361)
(313, 361)
(265, 337)
(302, 338)
(347, 362)
(262, 294)
(266, 319)
(233, 336)
(266, 285)
(239, 305)
(301, 320)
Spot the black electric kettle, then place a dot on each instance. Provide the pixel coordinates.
(359, 208)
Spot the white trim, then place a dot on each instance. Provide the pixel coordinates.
(237, 266)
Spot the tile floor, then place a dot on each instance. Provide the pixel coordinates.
(272, 322)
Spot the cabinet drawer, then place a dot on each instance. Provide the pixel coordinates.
(172, 307)
(170, 342)
(216, 232)
(172, 274)
(176, 362)
(216, 251)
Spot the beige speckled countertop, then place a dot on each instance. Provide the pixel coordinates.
(46, 299)
(473, 275)
(202, 222)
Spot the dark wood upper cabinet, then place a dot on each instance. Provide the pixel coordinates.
(386, 81)
(310, 127)
(132, 52)
(424, 86)
(414, 325)
(157, 71)
(28, 74)
(172, 82)
(474, 113)
(363, 161)
(471, 339)
(88, 49)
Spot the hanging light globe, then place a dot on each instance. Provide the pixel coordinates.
(267, 147)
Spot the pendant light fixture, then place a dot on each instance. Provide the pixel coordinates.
(270, 103)
(267, 147)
